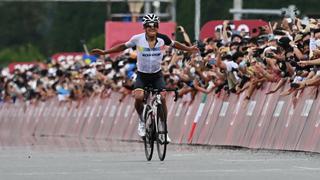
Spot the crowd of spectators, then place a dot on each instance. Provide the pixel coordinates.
(231, 61)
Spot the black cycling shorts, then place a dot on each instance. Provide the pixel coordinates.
(154, 80)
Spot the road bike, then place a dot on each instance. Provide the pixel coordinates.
(155, 122)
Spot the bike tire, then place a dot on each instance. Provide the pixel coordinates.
(161, 133)
(150, 131)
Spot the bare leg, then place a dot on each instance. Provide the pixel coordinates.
(138, 104)
(164, 104)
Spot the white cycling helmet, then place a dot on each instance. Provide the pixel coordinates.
(150, 18)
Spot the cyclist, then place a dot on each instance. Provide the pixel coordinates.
(150, 52)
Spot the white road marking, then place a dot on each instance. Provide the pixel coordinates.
(307, 168)
(260, 160)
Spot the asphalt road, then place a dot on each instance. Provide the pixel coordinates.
(62, 158)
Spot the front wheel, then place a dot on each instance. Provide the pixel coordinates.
(150, 131)
(161, 133)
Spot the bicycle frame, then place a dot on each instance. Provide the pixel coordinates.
(155, 132)
(153, 101)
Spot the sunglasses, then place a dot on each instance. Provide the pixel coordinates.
(151, 25)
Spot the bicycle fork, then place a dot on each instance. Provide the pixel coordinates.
(155, 108)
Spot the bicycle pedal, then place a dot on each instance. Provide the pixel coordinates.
(161, 142)
(161, 139)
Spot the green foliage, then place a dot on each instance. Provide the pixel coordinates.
(60, 26)
(22, 53)
(52, 26)
(96, 42)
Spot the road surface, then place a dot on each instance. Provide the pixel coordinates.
(72, 159)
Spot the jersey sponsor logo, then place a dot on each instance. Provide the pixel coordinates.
(145, 49)
(147, 52)
(153, 54)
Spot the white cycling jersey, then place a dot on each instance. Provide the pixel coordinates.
(149, 59)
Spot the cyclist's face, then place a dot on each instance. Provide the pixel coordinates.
(151, 29)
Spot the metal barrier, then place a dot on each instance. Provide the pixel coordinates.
(263, 122)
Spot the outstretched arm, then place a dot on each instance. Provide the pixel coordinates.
(115, 49)
(185, 36)
(182, 47)
(220, 64)
(224, 31)
(310, 62)
(201, 89)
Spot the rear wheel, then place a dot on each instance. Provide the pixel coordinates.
(161, 133)
(150, 130)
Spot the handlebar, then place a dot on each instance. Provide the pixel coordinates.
(150, 89)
